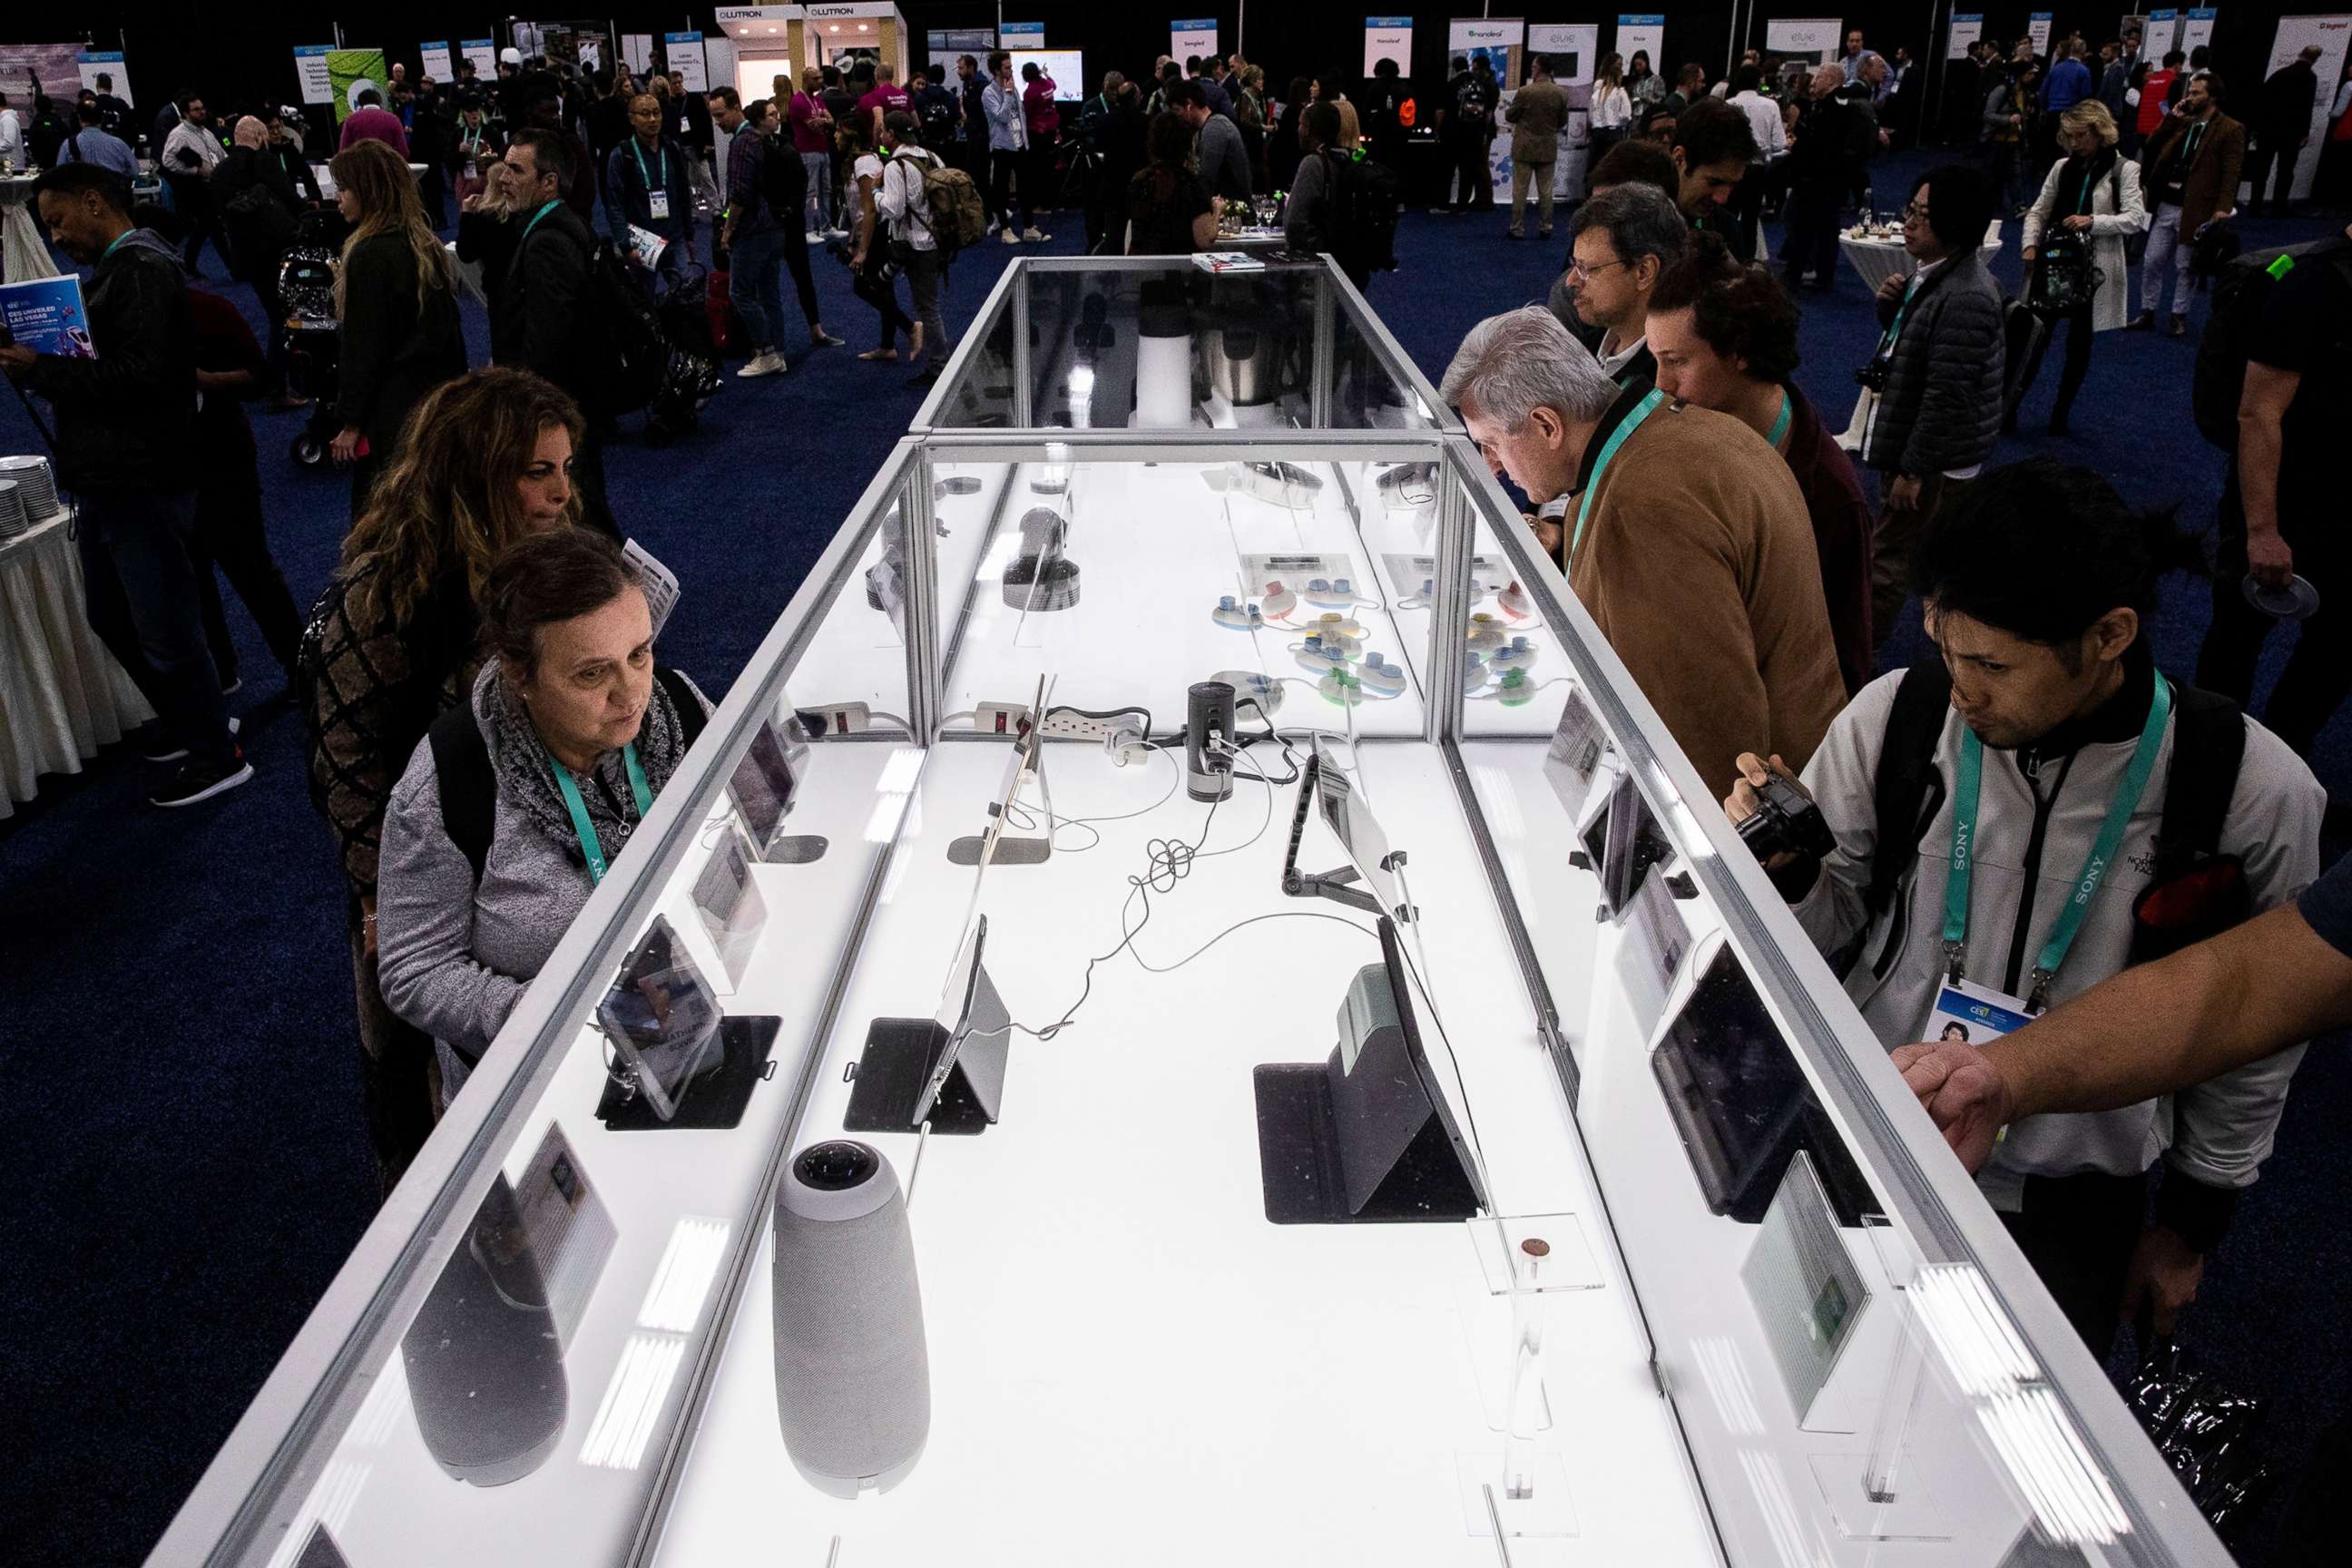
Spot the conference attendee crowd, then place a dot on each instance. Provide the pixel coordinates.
(489, 721)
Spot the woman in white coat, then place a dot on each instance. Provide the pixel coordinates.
(2091, 199)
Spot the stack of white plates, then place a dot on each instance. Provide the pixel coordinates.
(13, 521)
(36, 487)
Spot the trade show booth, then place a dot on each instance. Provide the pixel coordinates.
(1184, 1008)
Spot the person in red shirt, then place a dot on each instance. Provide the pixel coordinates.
(2155, 93)
(371, 122)
(813, 140)
(886, 97)
(1044, 125)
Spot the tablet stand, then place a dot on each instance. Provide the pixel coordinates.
(1012, 849)
(1332, 885)
(900, 1055)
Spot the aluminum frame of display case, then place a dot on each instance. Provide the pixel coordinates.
(256, 1488)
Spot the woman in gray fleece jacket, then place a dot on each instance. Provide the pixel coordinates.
(581, 736)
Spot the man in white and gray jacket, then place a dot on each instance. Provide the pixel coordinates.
(2097, 784)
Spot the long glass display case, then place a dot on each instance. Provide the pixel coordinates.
(1227, 1031)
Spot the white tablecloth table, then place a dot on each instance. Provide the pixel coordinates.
(23, 257)
(1877, 260)
(62, 695)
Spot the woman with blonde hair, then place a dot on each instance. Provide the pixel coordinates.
(393, 642)
(2089, 209)
(395, 306)
(1612, 108)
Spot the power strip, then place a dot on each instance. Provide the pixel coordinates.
(1001, 718)
(838, 719)
(1068, 724)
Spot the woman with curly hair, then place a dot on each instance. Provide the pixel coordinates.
(394, 641)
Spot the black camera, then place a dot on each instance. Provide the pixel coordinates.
(1873, 376)
(1786, 820)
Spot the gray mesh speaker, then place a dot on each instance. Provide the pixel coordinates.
(484, 1362)
(853, 1377)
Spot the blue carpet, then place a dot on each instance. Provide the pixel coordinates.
(186, 1163)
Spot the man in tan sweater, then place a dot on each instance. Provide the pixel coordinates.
(1686, 540)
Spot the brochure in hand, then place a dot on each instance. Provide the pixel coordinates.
(46, 315)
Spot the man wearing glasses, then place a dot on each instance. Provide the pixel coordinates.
(1624, 239)
(1938, 372)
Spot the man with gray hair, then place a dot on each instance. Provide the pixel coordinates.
(1624, 239)
(1687, 540)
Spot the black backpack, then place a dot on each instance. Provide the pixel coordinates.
(1363, 205)
(639, 351)
(2196, 892)
(940, 117)
(783, 182)
(2239, 292)
(469, 784)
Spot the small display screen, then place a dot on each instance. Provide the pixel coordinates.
(766, 781)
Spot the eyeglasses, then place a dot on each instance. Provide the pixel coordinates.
(1581, 273)
(1915, 210)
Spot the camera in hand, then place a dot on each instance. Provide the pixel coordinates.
(1785, 821)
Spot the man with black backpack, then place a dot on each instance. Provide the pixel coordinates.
(2281, 511)
(2027, 817)
(1340, 203)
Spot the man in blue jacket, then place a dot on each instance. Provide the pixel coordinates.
(646, 187)
(125, 444)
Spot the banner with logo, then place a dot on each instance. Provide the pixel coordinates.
(434, 60)
(350, 72)
(1498, 39)
(2330, 36)
(2158, 31)
(1186, 39)
(1820, 37)
(2197, 32)
(1387, 38)
(2037, 28)
(1967, 27)
(1571, 49)
(484, 53)
(1012, 35)
(682, 51)
(91, 62)
(1643, 32)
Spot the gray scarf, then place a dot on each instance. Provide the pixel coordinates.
(527, 772)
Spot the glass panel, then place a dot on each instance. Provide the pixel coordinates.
(520, 1410)
(854, 673)
(1517, 682)
(1126, 582)
(1152, 344)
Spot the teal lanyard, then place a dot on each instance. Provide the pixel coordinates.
(660, 152)
(1781, 425)
(118, 239)
(472, 141)
(541, 212)
(579, 808)
(1895, 327)
(1642, 411)
(2095, 868)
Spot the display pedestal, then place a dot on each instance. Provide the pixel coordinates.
(1910, 1513)
(1545, 1513)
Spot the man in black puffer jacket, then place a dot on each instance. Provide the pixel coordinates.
(1938, 370)
(125, 447)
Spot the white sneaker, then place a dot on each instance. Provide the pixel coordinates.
(1031, 234)
(1010, 237)
(813, 236)
(836, 233)
(768, 362)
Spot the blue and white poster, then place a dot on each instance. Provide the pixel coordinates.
(45, 315)
(1187, 39)
(1387, 38)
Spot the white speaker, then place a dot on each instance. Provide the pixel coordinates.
(852, 1376)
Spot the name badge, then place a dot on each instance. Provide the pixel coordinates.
(1973, 1014)
(660, 201)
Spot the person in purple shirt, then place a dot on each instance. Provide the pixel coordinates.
(371, 122)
